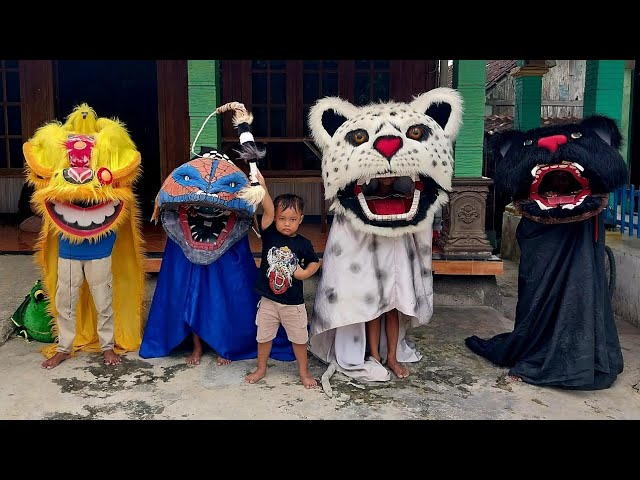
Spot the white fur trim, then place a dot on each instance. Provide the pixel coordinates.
(252, 195)
(246, 137)
(338, 105)
(442, 95)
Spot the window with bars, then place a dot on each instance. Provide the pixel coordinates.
(371, 81)
(269, 97)
(320, 79)
(280, 94)
(11, 157)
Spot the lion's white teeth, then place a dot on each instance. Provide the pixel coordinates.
(543, 206)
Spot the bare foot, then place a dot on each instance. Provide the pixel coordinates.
(257, 375)
(308, 381)
(222, 361)
(110, 358)
(398, 369)
(55, 360)
(194, 358)
(514, 378)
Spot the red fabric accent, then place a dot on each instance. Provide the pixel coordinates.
(104, 175)
(553, 142)
(79, 149)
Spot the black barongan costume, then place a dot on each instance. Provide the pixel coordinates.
(564, 333)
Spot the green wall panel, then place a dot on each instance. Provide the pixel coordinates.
(469, 78)
(204, 98)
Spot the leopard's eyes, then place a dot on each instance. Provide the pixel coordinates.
(357, 137)
(528, 142)
(417, 132)
(576, 135)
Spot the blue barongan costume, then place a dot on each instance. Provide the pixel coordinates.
(208, 272)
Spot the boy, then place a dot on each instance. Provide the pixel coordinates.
(287, 259)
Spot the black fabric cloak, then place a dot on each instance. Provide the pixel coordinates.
(564, 333)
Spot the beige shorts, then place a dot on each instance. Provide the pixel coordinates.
(293, 318)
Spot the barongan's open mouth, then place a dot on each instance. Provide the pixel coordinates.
(206, 227)
(559, 185)
(84, 218)
(390, 200)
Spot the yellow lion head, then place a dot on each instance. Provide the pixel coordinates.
(82, 171)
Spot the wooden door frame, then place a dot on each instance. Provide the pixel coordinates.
(173, 114)
(38, 100)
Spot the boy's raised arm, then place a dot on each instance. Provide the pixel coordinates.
(268, 210)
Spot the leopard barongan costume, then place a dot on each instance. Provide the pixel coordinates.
(378, 253)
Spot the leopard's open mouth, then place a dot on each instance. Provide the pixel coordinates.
(406, 202)
(559, 185)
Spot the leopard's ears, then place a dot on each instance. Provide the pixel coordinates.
(445, 106)
(326, 116)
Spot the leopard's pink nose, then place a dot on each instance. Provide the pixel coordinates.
(388, 145)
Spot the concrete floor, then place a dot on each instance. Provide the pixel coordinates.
(449, 383)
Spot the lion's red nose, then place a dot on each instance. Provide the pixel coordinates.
(552, 143)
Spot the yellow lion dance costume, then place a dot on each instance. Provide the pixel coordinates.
(83, 172)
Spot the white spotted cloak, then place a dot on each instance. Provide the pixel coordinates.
(363, 276)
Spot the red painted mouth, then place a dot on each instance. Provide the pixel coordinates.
(84, 219)
(206, 228)
(559, 185)
(399, 203)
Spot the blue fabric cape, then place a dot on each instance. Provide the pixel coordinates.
(216, 301)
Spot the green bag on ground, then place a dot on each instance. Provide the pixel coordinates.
(32, 318)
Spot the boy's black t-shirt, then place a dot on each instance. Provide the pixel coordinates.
(280, 258)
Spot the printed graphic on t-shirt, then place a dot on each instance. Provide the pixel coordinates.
(282, 263)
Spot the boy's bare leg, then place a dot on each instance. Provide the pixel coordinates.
(264, 349)
(54, 361)
(392, 329)
(300, 351)
(196, 354)
(372, 328)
